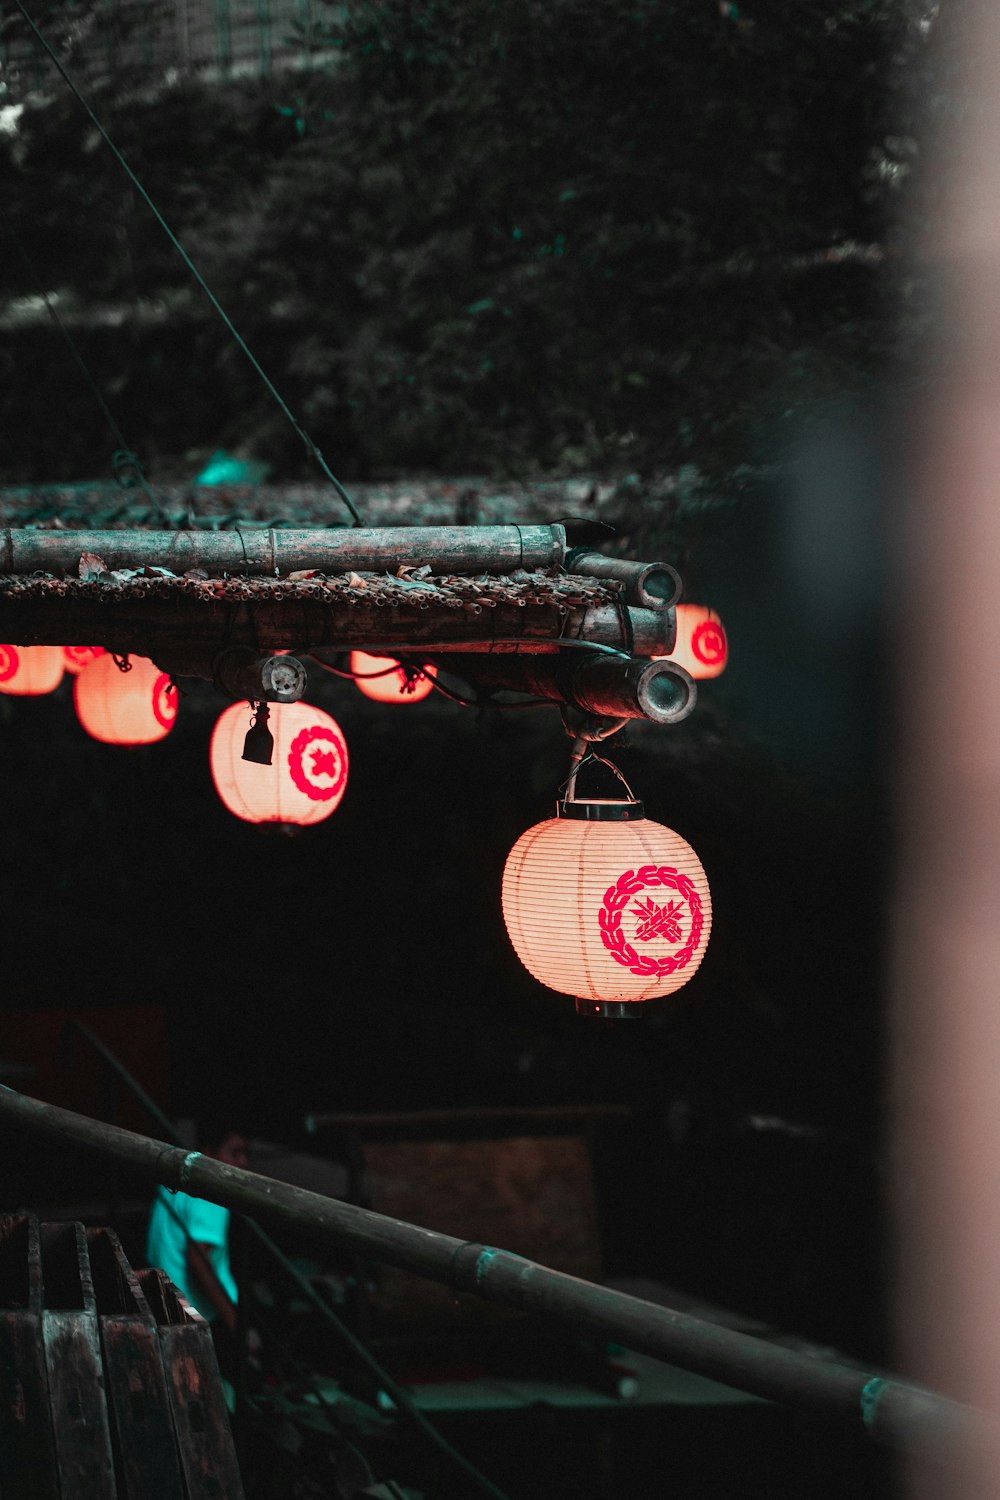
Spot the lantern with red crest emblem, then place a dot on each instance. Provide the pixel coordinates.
(305, 779)
(136, 706)
(701, 647)
(75, 658)
(382, 679)
(30, 671)
(603, 904)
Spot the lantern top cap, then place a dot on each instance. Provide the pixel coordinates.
(601, 809)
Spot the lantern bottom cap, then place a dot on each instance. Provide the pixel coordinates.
(611, 1010)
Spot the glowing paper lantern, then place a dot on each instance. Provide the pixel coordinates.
(75, 658)
(308, 772)
(30, 671)
(136, 707)
(702, 648)
(603, 904)
(391, 685)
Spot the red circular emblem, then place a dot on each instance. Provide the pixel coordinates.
(79, 656)
(9, 662)
(652, 919)
(164, 701)
(317, 763)
(708, 642)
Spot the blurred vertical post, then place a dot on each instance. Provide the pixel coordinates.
(946, 972)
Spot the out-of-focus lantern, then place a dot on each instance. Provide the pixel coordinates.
(305, 780)
(136, 707)
(75, 658)
(603, 904)
(30, 671)
(701, 648)
(384, 680)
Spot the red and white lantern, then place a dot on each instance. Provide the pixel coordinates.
(701, 647)
(603, 904)
(137, 707)
(30, 671)
(75, 658)
(382, 679)
(306, 779)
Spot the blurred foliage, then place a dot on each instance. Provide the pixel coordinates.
(518, 238)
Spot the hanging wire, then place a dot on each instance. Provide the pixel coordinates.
(487, 702)
(230, 325)
(124, 458)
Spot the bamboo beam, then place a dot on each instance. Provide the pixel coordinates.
(150, 626)
(615, 687)
(652, 585)
(887, 1409)
(269, 553)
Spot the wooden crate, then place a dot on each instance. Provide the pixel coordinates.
(109, 1384)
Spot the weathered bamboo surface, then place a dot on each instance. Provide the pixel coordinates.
(887, 1409)
(267, 552)
(151, 626)
(617, 687)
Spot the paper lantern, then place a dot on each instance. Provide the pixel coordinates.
(603, 904)
(385, 681)
(136, 707)
(701, 648)
(307, 776)
(75, 658)
(30, 671)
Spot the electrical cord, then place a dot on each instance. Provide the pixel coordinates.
(199, 278)
(487, 702)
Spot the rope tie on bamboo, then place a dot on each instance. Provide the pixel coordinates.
(186, 1166)
(870, 1396)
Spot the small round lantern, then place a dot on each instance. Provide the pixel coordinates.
(137, 707)
(30, 671)
(75, 658)
(603, 904)
(701, 647)
(306, 778)
(382, 679)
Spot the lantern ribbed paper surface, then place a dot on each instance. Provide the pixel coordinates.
(701, 646)
(75, 658)
(30, 671)
(607, 911)
(307, 776)
(394, 687)
(137, 707)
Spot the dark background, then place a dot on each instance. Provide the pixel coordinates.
(657, 245)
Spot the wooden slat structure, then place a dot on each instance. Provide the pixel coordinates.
(109, 1385)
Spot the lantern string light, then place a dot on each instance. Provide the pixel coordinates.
(477, 702)
(189, 263)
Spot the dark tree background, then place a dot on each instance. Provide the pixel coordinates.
(516, 238)
(652, 242)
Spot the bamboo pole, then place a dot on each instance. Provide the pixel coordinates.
(155, 626)
(617, 687)
(652, 585)
(886, 1409)
(272, 553)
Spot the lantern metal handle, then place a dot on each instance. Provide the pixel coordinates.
(579, 761)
